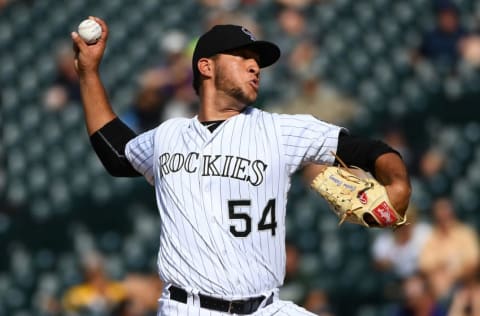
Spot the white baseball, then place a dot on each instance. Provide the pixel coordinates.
(90, 31)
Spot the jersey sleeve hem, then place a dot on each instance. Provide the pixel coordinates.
(134, 158)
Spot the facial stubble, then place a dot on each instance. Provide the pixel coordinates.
(224, 83)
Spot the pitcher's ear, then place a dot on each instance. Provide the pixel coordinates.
(205, 67)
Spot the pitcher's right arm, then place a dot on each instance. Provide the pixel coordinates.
(108, 135)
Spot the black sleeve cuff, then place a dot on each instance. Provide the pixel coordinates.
(109, 143)
(361, 152)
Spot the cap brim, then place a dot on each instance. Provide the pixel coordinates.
(268, 52)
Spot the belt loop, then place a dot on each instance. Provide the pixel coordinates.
(195, 298)
(190, 298)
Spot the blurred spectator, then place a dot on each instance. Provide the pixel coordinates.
(143, 292)
(441, 45)
(398, 251)
(317, 302)
(322, 101)
(292, 22)
(431, 162)
(418, 299)
(451, 252)
(166, 90)
(470, 50)
(177, 83)
(291, 28)
(301, 60)
(466, 299)
(65, 86)
(98, 294)
(313, 96)
(147, 110)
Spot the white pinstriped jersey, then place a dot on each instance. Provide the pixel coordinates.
(222, 196)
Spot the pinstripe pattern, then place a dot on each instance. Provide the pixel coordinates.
(200, 176)
(142, 157)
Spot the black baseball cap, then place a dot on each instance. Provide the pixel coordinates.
(223, 38)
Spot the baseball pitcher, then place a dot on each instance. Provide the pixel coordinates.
(221, 178)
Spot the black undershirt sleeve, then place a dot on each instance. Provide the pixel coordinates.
(109, 143)
(361, 152)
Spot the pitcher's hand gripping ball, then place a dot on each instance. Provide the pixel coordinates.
(90, 31)
(355, 199)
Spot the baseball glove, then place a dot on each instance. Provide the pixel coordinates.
(355, 199)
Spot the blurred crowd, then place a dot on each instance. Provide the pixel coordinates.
(433, 265)
(164, 90)
(430, 267)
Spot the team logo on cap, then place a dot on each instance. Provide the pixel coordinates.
(252, 37)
